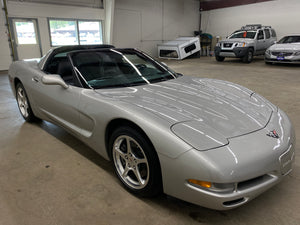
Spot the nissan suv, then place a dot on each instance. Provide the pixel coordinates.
(249, 41)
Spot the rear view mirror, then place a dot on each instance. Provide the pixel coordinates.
(54, 80)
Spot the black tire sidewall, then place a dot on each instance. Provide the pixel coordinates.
(220, 58)
(246, 57)
(30, 117)
(153, 187)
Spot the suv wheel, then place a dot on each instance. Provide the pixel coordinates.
(249, 56)
(220, 58)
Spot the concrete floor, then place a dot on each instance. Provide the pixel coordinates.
(48, 177)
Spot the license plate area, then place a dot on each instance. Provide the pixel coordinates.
(286, 160)
(280, 58)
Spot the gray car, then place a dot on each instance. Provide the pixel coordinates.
(249, 41)
(205, 141)
(286, 50)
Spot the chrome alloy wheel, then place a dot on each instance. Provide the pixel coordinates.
(22, 102)
(131, 162)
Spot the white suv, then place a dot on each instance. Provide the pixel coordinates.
(245, 43)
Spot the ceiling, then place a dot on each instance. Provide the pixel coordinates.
(218, 4)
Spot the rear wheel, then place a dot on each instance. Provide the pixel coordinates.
(135, 162)
(220, 58)
(248, 57)
(23, 104)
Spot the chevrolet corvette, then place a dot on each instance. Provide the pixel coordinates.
(209, 142)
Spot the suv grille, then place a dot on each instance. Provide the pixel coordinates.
(227, 45)
(282, 53)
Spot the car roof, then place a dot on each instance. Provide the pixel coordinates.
(69, 48)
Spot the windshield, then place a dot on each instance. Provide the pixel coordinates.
(243, 34)
(289, 39)
(118, 68)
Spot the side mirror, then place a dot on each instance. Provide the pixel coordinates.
(54, 80)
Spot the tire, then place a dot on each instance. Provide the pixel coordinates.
(23, 104)
(220, 58)
(248, 57)
(137, 167)
(268, 63)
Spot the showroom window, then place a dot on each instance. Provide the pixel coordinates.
(75, 32)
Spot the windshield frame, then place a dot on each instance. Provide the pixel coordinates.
(286, 37)
(243, 31)
(123, 51)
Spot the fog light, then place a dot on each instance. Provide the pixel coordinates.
(201, 183)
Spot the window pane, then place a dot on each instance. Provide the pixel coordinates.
(25, 33)
(90, 32)
(63, 32)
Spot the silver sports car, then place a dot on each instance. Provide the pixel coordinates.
(209, 142)
(286, 50)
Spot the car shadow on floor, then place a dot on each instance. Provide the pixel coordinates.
(77, 145)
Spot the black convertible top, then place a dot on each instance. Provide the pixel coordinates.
(68, 48)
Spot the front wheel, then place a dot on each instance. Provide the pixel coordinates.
(135, 162)
(220, 58)
(248, 57)
(23, 104)
(268, 63)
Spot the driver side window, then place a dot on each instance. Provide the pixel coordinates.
(61, 65)
(260, 35)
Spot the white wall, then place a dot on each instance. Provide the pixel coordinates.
(145, 23)
(283, 15)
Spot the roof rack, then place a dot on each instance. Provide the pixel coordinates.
(251, 27)
(254, 27)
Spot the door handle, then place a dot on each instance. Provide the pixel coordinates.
(36, 79)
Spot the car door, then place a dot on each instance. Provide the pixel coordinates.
(268, 38)
(261, 43)
(56, 103)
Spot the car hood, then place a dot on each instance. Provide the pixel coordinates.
(221, 107)
(285, 47)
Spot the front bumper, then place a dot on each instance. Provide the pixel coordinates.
(237, 52)
(253, 163)
(287, 59)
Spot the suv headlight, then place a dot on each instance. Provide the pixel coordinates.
(240, 44)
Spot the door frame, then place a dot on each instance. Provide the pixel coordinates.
(13, 37)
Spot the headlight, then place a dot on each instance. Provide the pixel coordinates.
(268, 52)
(240, 44)
(297, 53)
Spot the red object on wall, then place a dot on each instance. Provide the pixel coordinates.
(218, 4)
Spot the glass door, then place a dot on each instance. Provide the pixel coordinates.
(26, 38)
